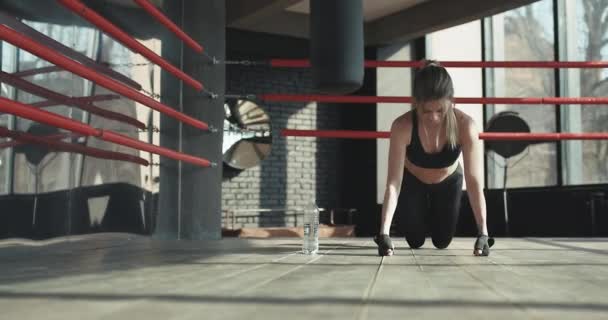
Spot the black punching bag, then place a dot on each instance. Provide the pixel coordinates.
(336, 45)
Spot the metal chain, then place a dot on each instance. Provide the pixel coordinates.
(129, 64)
(151, 94)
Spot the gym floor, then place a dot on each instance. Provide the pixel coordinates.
(123, 276)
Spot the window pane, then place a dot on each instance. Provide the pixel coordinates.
(585, 30)
(40, 174)
(524, 34)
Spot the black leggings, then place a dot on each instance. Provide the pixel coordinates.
(436, 206)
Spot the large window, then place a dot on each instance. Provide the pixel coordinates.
(42, 176)
(61, 170)
(583, 37)
(526, 33)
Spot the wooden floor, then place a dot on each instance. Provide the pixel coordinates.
(121, 276)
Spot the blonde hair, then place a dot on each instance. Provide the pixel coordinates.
(433, 82)
(451, 127)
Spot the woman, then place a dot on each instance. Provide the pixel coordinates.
(424, 183)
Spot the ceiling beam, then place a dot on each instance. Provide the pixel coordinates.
(286, 24)
(432, 16)
(247, 12)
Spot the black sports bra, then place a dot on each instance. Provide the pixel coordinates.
(416, 154)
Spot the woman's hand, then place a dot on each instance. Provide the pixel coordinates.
(483, 245)
(385, 245)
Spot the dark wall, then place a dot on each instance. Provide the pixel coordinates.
(127, 209)
(543, 212)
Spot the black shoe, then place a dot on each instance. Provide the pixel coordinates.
(483, 245)
(385, 245)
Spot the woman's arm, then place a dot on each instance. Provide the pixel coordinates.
(472, 152)
(396, 161)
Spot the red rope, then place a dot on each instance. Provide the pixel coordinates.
(519, 136)
(25, 43)
(58, 145)
(295, 63)
(160, 17)
(55, 120)
(102, 23)
(386, 99)
(504, 136)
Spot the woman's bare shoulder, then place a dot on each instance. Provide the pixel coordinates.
(403, 121)
(467, 127)
(465, 121)
(402, 125)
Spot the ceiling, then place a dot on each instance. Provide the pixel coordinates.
(372, 9)
(386, 21)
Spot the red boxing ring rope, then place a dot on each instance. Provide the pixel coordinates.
(295, 63)
(102, 23)
(57, 97)
(55, 120)
(158, 15)
(25, 43)
(498, 136)
(387, 99)
(520, 136)
(58, 145)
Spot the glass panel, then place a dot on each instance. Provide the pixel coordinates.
(102, 171)
(51, 171)
(524, 34)
(585, 30)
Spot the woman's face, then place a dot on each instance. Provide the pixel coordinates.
(432, 112)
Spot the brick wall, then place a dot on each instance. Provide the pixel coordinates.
(298, 170)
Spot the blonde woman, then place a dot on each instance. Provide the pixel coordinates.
(424, 183)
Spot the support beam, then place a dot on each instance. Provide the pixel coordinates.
(247, 11)
(267, 16)
(190, 197)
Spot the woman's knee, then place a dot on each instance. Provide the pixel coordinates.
(441, 243)
(415, 242)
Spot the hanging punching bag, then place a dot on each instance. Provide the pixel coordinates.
(336, 45)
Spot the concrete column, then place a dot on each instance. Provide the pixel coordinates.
(190, 196)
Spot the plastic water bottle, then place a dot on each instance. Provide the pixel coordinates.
(311, 230)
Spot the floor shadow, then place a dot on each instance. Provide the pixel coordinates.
(298, 301)
(567, 246)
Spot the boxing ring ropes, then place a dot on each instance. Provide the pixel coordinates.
(65, 58)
